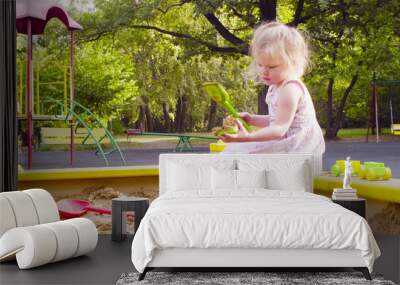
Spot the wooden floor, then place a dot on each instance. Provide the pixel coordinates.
(111, 259)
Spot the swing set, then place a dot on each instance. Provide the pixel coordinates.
(373, 122)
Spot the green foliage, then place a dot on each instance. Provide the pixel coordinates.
(362, 35)
(153, 52)
(117, 128)
(105, 80)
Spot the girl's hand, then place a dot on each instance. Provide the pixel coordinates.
(246, 117)
(241, 136)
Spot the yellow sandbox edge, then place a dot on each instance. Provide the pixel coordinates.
(388, 190)
(377, 190)
(90, 172)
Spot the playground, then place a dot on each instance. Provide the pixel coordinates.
(51, 120)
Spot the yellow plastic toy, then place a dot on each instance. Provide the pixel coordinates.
(218, 146)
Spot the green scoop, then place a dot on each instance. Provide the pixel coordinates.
(218, 93)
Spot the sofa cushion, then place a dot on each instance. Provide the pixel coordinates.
(6, 216)
(67, 240)
(87, 235)
(27, 208)
(23, 208)
(40, 244)
(46, 207)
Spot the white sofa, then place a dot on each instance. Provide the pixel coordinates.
(31, 231)
(152, 246)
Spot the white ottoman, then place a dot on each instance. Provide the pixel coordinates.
(31, 232)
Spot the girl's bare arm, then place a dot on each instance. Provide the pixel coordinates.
(255, 120)
(260, 120)
(287, 107)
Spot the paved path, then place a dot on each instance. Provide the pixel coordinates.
(388, 152)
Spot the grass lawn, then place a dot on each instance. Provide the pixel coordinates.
(361, 134)
(166, 141)
(356, 133)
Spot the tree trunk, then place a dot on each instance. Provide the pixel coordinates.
(184, 107)
(371, 115)
(149, 119)
(330, 124)
(267, 10)
(330, 133)
(262, 106)
(178, 111)
(141, 122)
(340, 111)
(189, 126)
(158, 125)
(167, 121)
(333, 127)
(212, 115)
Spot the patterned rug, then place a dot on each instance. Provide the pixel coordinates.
(242, 278)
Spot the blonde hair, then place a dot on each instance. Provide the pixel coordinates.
(277, 39)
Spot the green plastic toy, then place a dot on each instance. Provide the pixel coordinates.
(372, 171)
(227, 130)
(375, 171)
(218, 93)
(338, 168)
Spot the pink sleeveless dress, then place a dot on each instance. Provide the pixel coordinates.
(304, 134)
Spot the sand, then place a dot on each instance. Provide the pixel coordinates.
(386, 221)
(101, 197)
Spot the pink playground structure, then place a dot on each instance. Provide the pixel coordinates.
(32, 17)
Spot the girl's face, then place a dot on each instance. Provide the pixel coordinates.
(272, 71)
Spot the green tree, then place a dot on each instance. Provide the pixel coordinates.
(171, 47)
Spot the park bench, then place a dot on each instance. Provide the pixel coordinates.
(396, 129)
(62, 135)
(183, 144)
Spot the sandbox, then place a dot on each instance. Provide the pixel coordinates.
(100, 185)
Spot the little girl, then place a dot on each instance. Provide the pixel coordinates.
(280, 56)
